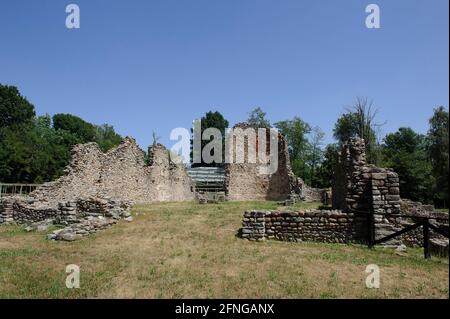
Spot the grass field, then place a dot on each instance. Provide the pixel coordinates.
(186, 250)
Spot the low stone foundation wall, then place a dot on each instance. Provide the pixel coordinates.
(81, 216)
(334, 226)
(310, 225)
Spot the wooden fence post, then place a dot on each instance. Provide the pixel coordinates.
(370, 229)
(426, 238)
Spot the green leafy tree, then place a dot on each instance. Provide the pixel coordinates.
(85, 131)
(257, 117)
(316, 153)
(438, 142)
(215, 120)
(345, 127)
(326, 169)
(296, 133)
(14, 108)
(106, 137)
(405, 152)
(32, 150)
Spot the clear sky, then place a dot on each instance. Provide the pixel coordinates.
(154, 65)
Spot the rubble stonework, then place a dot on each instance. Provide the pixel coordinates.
(310, 225)
(360, 186)
(80, 217)
(358, 190)
(332, 226)
(98, 189)
(122, 174)
(243, 181)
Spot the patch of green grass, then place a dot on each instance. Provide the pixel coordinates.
(187, 250)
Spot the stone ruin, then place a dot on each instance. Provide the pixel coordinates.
(360, 186)
(121, 174)
(99, 188)
(358, 189)
(243, 181)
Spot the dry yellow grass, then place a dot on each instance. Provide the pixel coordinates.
(186, 250)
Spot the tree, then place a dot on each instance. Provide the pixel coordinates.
(316, 142)
(345, 127)
(106, 137)
(326, 168)
(405, 152)
(295, 131)
(212, 120)
(359, 120)
(257, 118)
(32, 150)
(75, 125)
(438, 142)
(34, 153)
(14, 108)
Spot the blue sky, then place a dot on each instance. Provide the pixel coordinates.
(146, 66)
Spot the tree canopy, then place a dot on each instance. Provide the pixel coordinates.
(257, 117)
(14, 108)
(438, 153)
(405, 152)
(212, 120)
(36, 149)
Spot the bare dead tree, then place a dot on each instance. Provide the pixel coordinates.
(366, 125)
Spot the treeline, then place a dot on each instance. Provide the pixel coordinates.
(36, 149)
(422, 161)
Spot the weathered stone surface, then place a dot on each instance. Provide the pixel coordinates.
(98, 189)
(243, 181)
(82, 216)
(308, 225)
(122, 174)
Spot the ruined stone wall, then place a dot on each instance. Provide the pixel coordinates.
(309, 225)
(121, 174)
(335, 226)
(243, 181)
(360, 186)
(80, 217)
(169, 181)
(79, 177)
(311, 194)
(27, 210)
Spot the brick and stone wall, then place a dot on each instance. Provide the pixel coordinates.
(244, 182)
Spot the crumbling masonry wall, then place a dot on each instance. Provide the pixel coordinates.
(360, 186)
(359, 190)
(244, 182)
(121, 173)
(98, 189)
